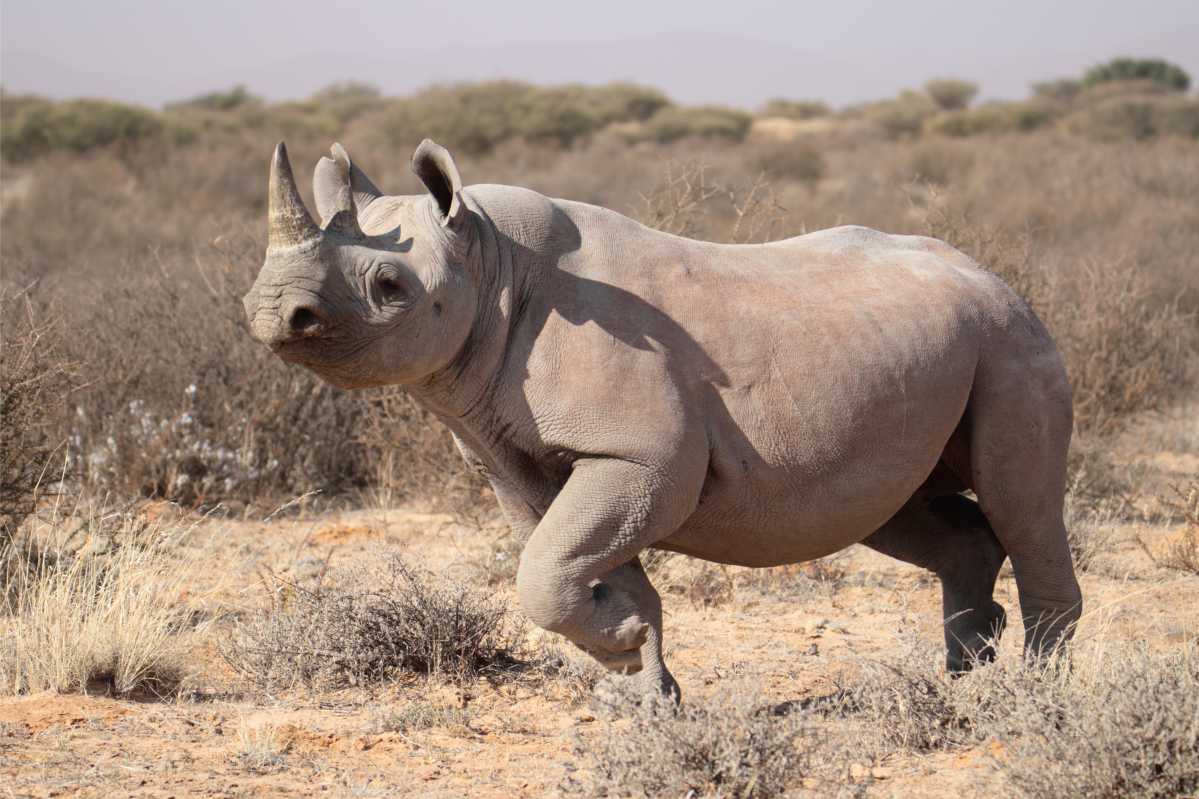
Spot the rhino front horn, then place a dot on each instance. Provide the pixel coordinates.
(289, 221)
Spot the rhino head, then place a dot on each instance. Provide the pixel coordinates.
(382, 291)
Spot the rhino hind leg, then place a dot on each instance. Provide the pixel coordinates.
(1019, 436)
(950, 536)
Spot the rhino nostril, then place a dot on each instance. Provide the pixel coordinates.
(304, 321)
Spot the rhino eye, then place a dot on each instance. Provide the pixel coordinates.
(390, 285)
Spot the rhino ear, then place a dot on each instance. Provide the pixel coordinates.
(434, 165)
(341, 189)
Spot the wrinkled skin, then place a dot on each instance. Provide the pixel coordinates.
(625, 389)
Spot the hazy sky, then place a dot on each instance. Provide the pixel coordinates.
(735, 51)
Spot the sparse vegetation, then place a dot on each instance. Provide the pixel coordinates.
(728, 746)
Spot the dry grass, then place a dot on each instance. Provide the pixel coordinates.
(104, 618)
(421, 715)
(260, 747)
(374, 624)
(728, 746)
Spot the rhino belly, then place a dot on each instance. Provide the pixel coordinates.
(807, 465)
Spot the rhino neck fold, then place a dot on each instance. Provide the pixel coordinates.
(464, 390)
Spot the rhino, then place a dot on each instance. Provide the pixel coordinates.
(623, 389)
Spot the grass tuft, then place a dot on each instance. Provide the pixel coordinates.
(104, 620)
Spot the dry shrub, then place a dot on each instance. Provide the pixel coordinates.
(1128, 728)
(413, 456)
(106, 619)
(940, 163)
(1104, 722)
(1183, 554)
(34, 382)
(728, 746)
(788, 160)
(687, 201)
(1126, 350)
(378, 624)
(232, 423)
(908, 703)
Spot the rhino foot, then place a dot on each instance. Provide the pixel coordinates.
(971, 638)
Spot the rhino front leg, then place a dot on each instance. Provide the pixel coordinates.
(579, 576)
(648, 662)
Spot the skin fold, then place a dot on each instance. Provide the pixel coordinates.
(622, 389)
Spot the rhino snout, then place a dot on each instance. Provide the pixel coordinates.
(293, 318)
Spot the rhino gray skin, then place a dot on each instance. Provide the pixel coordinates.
(624, 389)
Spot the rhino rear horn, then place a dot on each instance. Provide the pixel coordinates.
(342, 192)
(288, 219)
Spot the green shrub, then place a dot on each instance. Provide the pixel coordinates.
(475, 117)
(556, 115)
(990, 118)
(902, 117)
(705, 122)
(291, 120)
(950, 94)
(1180, 118)
(790, 161)
(1062, 90)
(1135, 118)
(624, 102)
(795, 109)
(1157, 70)
(237, 97)
(468, 117)
(346, 100)
(76, 126)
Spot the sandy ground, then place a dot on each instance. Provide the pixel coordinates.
(518, 740)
